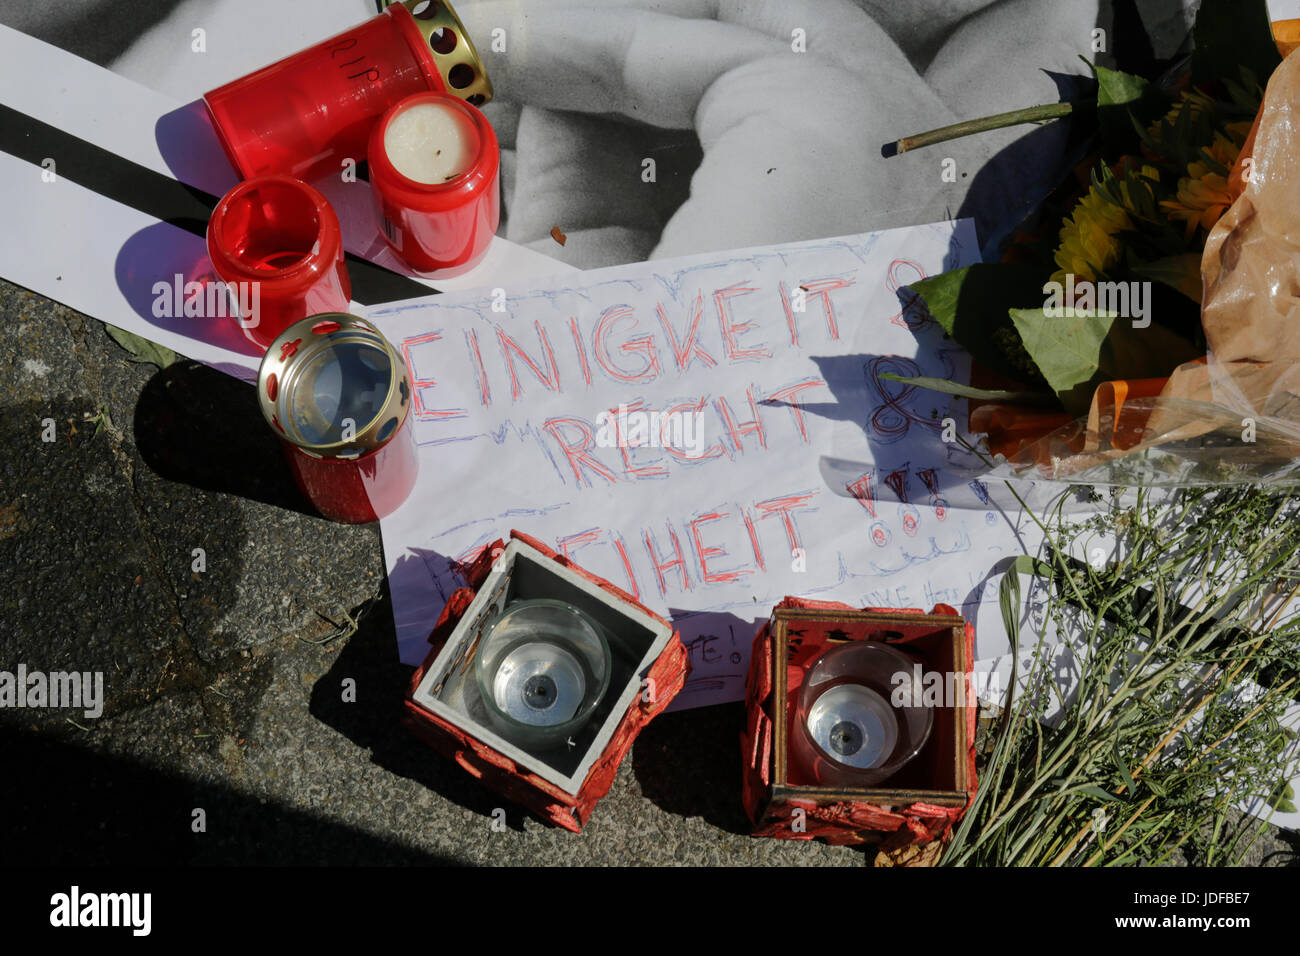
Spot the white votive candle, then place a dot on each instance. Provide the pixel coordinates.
(430, 142)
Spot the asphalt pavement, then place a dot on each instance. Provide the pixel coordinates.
(223, 687)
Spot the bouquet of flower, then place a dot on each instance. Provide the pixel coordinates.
(1132, 334)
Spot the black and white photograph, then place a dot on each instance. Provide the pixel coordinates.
(652, 433)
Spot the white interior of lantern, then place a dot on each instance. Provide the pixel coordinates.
(449, 688)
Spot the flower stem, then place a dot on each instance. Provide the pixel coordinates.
(1029, 114)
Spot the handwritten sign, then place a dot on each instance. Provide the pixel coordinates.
(709, 433)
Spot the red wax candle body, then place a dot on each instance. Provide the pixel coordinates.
(362, 489)
(307, 113)
(447, 224)
(281, 237)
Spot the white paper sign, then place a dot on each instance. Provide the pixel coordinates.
(708, 433)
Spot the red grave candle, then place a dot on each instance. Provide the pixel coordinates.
(278, 241)
(435, 170)
(338, 395)
(308, 113)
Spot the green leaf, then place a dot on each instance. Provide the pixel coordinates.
(941, 295)
(971, 305)
(1182, 272)
(1028, 564)
(1099, 793)
(141, 348)
(1009, 594)
(1076, 353)
(1124, 775)
(1117, 88)
(1124, 100)
(1037, 399)
(1281, 797)
(1009, 599)
(1230, 34)
(1067, 350)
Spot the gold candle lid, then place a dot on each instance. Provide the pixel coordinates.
(453, 51)
(334, 386)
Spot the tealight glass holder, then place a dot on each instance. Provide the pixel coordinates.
(850, 730)
(542, 668)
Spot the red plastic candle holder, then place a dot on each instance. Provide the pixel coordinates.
(306, 114)
(278, 241)
(560, 781)
(337, 394)
(443, 226)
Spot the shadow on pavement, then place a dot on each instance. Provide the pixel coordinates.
(65, 805)
(688, 763)
(203, 428)
(372, 721)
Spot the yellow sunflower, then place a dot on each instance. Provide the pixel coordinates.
(1203, 195)
(1237, 132)
(1088, 244)
(1193, 100)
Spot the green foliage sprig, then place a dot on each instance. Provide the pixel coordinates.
(1157, 748)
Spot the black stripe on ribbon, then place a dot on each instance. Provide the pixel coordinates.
(161, 197)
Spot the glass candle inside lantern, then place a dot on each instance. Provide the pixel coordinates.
(859, 716)
(435, 179)
(542, 667)
(853, 724)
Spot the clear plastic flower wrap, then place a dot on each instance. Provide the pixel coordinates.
(1232, 416)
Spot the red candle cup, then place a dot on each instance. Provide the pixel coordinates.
(308, 113)
(337, 394)
(277, 242)
(435, 170)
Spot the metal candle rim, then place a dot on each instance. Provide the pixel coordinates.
(279, 375)
(442, 16)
